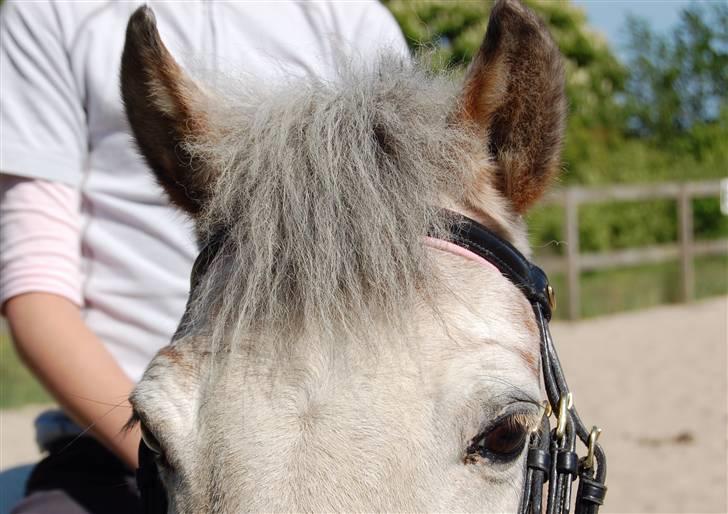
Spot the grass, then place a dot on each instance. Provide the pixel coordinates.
(602, 293)
(17, 385)
(639, 287)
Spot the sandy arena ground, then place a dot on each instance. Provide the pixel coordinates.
(654, 380)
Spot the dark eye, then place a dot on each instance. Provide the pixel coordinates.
(503, 441)
(149, 440)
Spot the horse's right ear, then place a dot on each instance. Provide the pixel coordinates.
(165, 109)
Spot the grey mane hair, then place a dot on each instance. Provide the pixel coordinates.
(325, 191)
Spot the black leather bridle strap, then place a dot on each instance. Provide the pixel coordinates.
(529, 278)
(564, 465)
(208, 253)
(538, 466)
(151, 489)
(552, 456)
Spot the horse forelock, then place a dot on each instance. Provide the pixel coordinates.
(325, 190)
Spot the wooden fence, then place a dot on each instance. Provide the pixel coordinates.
(573, 262)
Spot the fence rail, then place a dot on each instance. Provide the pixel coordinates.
(573, 262)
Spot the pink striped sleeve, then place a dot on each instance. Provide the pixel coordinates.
(40, 225)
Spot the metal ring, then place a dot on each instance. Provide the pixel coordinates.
(565, 403)
(592, 444)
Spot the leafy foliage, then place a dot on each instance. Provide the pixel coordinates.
(662, 116)
(680, 80)
(453, 30)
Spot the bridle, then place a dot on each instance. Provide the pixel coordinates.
(552, 464)
(552, 457)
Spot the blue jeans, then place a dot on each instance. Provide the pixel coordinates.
(78, 476)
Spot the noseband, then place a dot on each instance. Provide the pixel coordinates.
(552, 459)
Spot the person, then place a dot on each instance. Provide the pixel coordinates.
(94, 266)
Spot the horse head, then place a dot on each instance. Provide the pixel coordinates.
(333, 356)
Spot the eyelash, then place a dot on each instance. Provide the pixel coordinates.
(511, 431)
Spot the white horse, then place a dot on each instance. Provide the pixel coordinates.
(332, 358)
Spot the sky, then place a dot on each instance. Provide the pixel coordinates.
(609, 16)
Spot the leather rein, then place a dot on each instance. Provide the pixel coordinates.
(552, 464)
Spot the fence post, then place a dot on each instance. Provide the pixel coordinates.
(573, 271)
(687, 267)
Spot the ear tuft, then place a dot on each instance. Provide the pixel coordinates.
(514, 95)
(143, 26)
(165, 109)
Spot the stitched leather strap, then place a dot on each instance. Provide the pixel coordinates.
(529, 278)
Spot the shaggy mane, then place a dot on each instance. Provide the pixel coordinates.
(325, 190)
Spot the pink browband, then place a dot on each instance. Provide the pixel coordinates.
(447, 246)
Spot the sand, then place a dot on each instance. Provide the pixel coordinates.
(654, 380)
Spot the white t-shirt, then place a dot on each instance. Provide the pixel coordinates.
(61, 119)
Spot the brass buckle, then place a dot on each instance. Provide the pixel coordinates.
(551, 295)
(547, 410)
(565, 403)
(592, 444)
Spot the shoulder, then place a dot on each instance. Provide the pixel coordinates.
(44, 19)
(366, 25)
(359, 15)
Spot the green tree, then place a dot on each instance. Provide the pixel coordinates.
(453, 31)
(661, 117)
(678, 79)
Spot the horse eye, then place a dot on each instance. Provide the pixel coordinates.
(149, 440)
(503, 441)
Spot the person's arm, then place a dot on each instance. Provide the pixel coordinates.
(40, 294)
(45, 139)
(75, 367)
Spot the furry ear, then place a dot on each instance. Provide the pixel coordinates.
(165, 108)
(514, 96)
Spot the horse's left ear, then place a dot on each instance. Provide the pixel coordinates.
(165, 109)
(514, 96)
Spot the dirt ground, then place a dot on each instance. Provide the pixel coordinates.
(654, 380)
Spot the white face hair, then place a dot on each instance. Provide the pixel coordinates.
(334, 428)
(329, 360)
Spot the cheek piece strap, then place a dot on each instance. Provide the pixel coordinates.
(150, 485)
(552, 464)
(552, 459)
